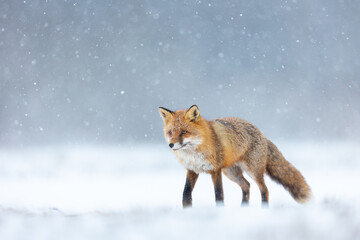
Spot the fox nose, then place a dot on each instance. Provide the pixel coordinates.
(171, 145)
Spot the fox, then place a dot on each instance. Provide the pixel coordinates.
(230, 146)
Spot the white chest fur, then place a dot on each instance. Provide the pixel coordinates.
(194, 160)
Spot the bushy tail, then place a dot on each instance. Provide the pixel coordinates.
(286, 174)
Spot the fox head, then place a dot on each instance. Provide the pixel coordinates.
(181, 128)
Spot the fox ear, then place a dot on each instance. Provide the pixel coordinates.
(166, 114)
(192, 113)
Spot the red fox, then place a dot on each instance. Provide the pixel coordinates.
(229, 146)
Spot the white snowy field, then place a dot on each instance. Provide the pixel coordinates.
(134, 192)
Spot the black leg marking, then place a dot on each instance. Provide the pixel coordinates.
(235, 174)
(187, 199)
(245, 198)
(263, 190)
(218, 187)
(191, 178)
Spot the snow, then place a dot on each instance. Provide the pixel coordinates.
(76, 76)
(134, 192)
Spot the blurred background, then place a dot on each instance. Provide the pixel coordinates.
(80, 87)
(89, 72)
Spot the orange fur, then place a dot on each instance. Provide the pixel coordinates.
(230, 145)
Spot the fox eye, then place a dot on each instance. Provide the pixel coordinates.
(184, 132)
(170, 132)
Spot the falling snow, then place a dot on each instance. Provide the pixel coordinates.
(80, 85)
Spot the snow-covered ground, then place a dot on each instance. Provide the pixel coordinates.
(134, 192)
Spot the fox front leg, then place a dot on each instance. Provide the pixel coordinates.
(191, 178)
(218, 187)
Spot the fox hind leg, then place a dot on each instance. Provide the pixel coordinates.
(235, 174)
(263, 190)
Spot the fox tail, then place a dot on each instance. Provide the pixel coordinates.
(281, 171)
